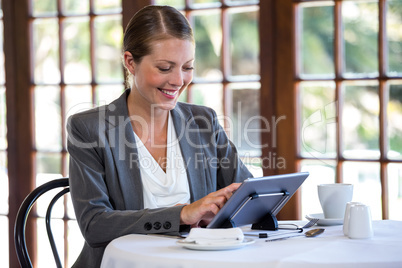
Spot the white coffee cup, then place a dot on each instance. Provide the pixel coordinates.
(333, 198)
(360, 225)
(347, 216)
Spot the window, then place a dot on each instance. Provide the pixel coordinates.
(76, 51)
(348, 85)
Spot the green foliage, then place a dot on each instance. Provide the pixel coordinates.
(173, 3)
(244, 43)
(44, 7)
(207, 32)
(317, 40)
(395, 108)
(361, 38)
(394, 21)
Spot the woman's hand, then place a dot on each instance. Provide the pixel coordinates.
(201, 212)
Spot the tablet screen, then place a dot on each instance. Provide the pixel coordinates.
(257, 197)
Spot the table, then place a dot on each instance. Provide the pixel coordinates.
(331, 249)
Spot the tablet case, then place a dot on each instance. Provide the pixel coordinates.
(257, 201)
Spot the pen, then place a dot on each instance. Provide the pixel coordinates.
(281, 238)
(265, 235)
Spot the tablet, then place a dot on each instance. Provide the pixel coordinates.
(256, 198)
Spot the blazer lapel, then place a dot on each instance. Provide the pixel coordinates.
(123, 147)
(193, 155)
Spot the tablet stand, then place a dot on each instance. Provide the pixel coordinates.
(269, 221)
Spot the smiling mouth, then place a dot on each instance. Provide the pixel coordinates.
(169, 92)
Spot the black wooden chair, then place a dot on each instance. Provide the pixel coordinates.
(22, 216)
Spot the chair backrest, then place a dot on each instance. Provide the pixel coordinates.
(22, 216)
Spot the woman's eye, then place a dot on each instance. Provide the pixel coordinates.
(188, 68)
(163, 69)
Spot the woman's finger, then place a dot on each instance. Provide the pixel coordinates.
(205, 208)
(228, 190)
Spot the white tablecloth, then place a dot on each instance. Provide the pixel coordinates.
(331, 249)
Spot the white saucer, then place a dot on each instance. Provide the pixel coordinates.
(323, 221)
(246, 242)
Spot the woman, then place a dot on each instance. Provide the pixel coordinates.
(146, 163)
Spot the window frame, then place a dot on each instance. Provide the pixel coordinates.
(339, 80)
(279, 81)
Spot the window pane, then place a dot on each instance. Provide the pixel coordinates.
(174, 3)
(208, 39)
(46, 51)
(45, 255)
(75, 242)
(4, 184)
(77, 48)
(318, 119)
(47, 118)
(3, 118)
(70, 208)
(394, 111)
(77, 99)
(4, 253)
(43, 202)
(395, 191)
(255, 165)
(75, 6)
(360, 125)
(44, 7)
(242, 1)
(244, 42)
(67, 161)
(365, 178)
(107, 94)
(107, 6)
(201, 95)
(317, 41)
(183, 96)
(244, 122)
(205, 3)
(48, 163)
(361, 37)
(320, 172)
(394, 30)
(108, 49)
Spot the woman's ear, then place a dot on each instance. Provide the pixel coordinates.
(129, 62)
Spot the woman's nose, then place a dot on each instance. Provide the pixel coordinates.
(177, 79)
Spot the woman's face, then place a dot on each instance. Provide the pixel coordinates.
(163, 75)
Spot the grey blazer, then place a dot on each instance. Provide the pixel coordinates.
(105, 178)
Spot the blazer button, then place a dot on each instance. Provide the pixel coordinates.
(157, 225)
(167, 225)
(148, 226)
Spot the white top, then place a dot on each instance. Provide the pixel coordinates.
(162, 189)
